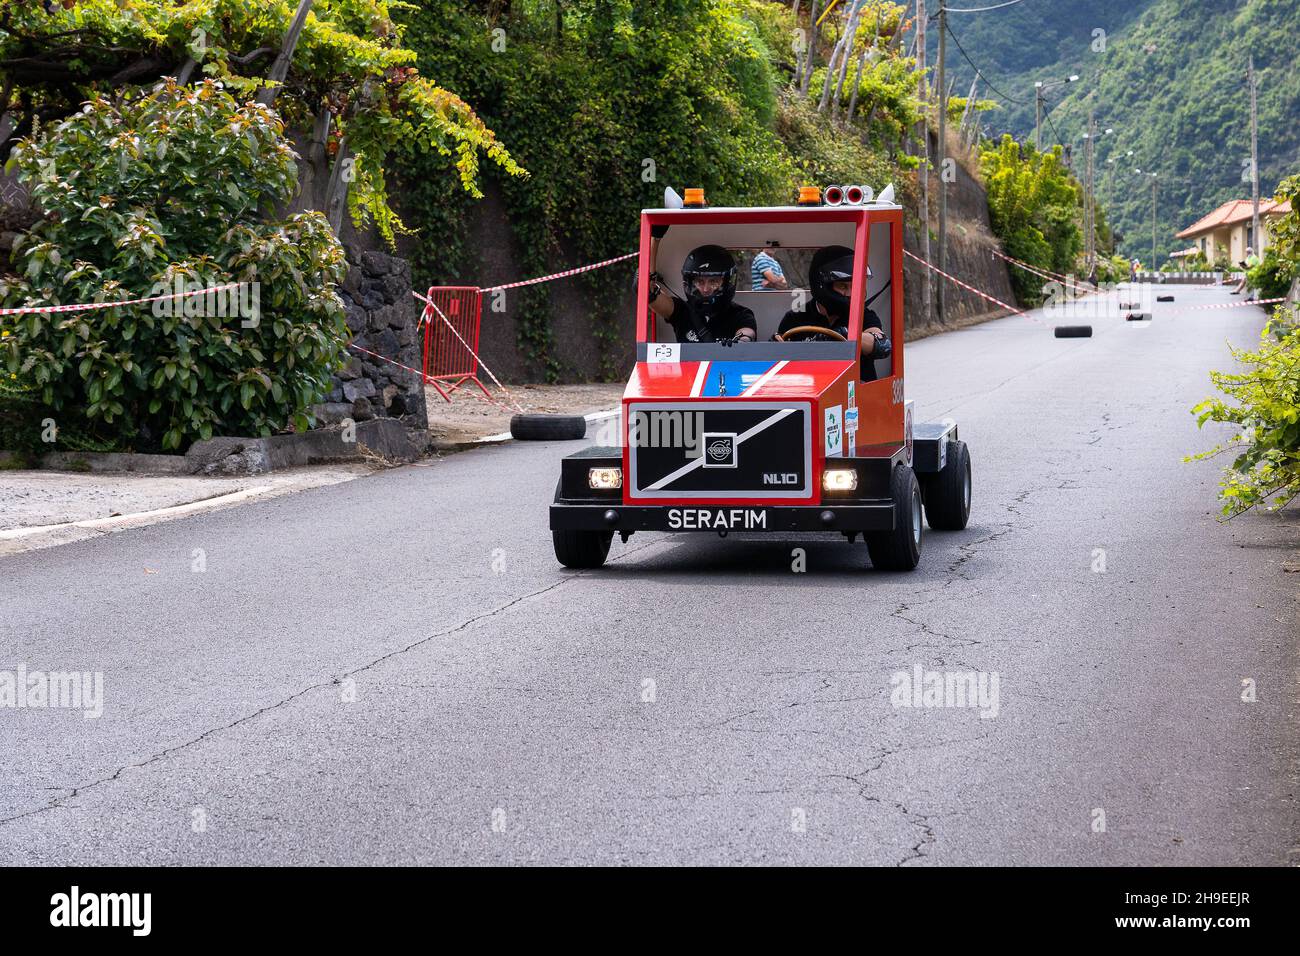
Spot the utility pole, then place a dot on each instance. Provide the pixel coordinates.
(1090, 211)
(1038, 116)
(1154, 180)
(942, 90)
(1254, 156)
(924, 170)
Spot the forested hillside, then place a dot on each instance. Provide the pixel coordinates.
(605, 104)
(1167, 76)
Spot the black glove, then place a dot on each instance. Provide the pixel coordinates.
(884, 348)
(655, 288)
(841, 329)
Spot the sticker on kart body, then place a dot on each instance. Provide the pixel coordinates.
(834, 431)
(716, 519)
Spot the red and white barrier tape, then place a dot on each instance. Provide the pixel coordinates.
(560, 275)
(433, 305)
(1233, 305)
(90, 306)
(1043, 273)
(970, 288)
(384, 358)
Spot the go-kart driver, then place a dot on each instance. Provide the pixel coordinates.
(830, 276)
(708, 313)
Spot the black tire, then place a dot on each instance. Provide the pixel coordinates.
(1164, 298)
(1128, 305)
(1073, 332)
(900, 549)
(548, 427)
(947, 493)
(1138, 317)
(582, 549)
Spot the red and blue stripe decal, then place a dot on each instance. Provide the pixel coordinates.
(736, 376)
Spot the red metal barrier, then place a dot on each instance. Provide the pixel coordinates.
(451, 346)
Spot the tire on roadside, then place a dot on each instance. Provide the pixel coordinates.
(899, 549)
(948, 492)
(548, 427)
(1073, 331)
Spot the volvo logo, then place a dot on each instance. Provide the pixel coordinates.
(719, 449)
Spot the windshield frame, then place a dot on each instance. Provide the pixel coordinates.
(858, 216)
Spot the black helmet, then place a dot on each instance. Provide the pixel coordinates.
(831, 264)
(709, 261)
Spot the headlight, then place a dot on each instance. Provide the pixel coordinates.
(840, 479)
(605, 478)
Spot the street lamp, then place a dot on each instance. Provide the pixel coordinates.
(1040, 87)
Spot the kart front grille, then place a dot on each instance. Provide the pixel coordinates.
(720, 450)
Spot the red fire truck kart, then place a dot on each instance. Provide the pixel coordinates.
(769, 436)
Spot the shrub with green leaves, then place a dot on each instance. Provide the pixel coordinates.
(1035, 207)
(1263, 400)
(1271, 279)
(178, 186)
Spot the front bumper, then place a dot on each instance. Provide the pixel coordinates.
(614, 516)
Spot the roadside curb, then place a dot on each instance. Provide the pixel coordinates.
(385, 438)
(138, 517)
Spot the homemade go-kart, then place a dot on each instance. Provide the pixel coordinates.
(771, 436)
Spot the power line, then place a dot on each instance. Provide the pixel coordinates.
(996, 6)
(1050, 122)
(967, 58)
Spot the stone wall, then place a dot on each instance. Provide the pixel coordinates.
(383, 318)
(970, 238)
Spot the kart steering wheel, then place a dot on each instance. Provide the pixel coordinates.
(807, 331)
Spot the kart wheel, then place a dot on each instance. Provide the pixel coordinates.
(947, 494)
(1073, 332)
(548, 427)
(582, 549)
(900, 549)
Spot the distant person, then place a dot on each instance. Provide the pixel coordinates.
(708, 313)
(1248, 263)
(1133, 268)
(765, 273)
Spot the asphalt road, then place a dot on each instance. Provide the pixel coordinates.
(395, 670)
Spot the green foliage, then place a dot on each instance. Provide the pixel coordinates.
(1264, 404)
(1271, 279)
(1034, 208)
(1112, 269)
(1263, 401)
(350, 61)
(175, 186)
(606, 103)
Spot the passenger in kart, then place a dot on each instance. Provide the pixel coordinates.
(709, 312)
(830, 276)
